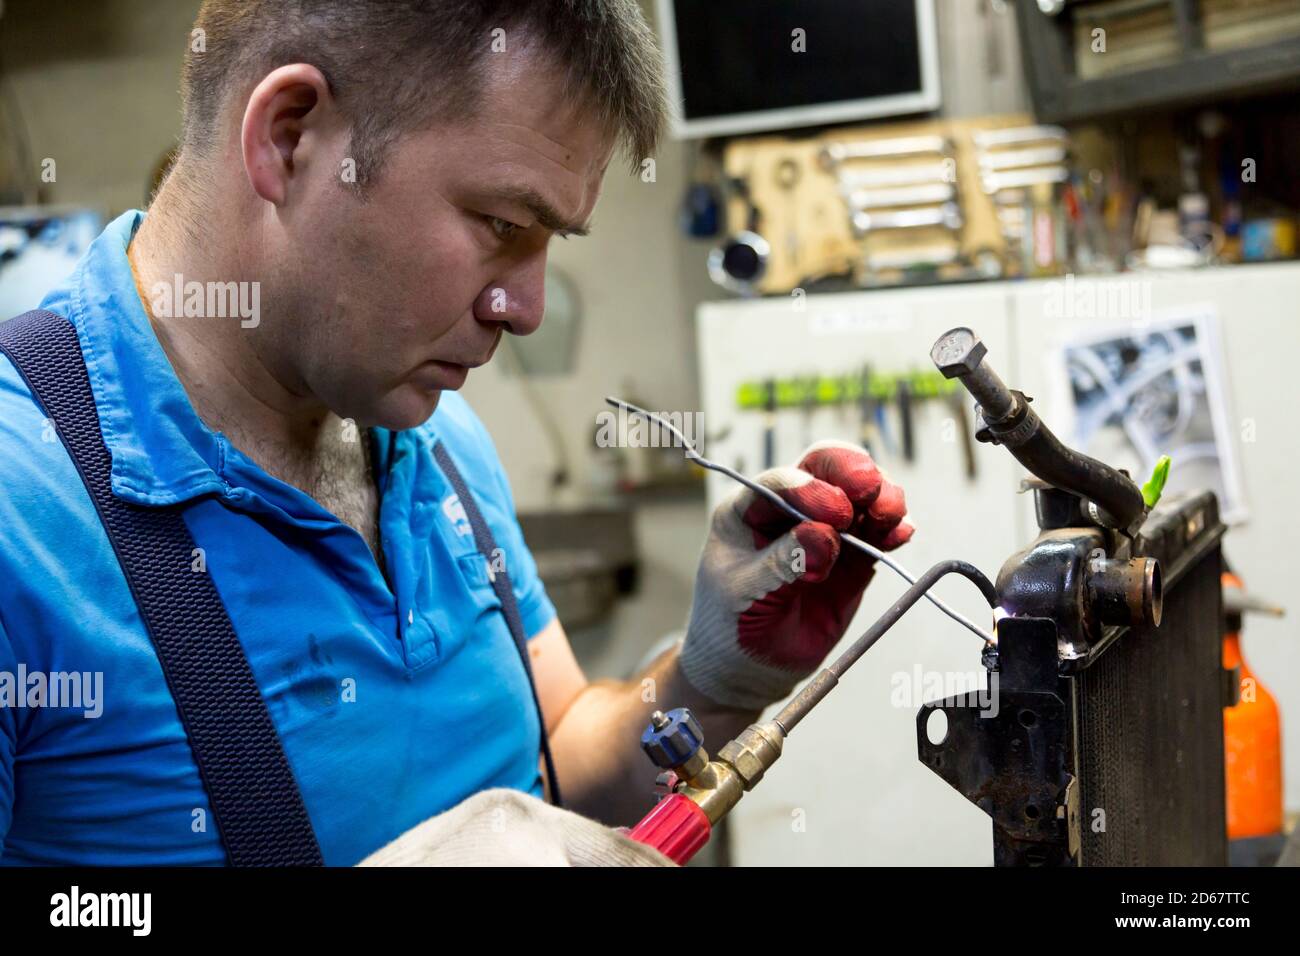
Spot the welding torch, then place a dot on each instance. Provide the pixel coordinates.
(701, 791)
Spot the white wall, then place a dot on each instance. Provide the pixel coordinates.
(98, 88)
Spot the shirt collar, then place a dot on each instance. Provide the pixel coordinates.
(162, 452)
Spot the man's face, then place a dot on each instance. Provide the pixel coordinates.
(395, 298)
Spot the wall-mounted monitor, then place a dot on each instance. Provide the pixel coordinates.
(744, 66)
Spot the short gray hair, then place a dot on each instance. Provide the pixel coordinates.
(398, 65)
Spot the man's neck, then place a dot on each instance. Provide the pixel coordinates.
(226, 369)
(232, 380)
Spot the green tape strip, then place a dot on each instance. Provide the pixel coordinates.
(839, 389)
(1155, 485)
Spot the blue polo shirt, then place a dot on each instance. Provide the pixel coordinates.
(393, 702)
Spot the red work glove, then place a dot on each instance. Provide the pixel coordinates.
(773, 596)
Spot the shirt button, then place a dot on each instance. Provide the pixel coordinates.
(410, 616)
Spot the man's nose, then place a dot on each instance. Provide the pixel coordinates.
(516, 299)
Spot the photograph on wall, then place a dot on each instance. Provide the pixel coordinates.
(1140, 392)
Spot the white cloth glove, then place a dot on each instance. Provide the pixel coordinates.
(510, 828)
(773, 596)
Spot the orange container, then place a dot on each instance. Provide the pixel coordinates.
(1252, 735)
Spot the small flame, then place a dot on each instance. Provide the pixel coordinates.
(999, 615)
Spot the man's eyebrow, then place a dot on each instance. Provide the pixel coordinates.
(541, 209)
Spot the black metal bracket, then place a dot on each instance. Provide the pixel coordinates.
(1010, 751)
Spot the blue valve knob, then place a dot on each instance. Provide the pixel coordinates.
(672, 738)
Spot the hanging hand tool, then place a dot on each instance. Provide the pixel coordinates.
(788, 174)
(769, 426)
(882, 427)
(865, 412)
(947, 216)
(964, 433)
(904, 397)
(873, 417)
(811, 384)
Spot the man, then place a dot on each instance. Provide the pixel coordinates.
(383, 179)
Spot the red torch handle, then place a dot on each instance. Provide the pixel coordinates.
(676, 827)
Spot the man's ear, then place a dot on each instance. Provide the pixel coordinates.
(290, 102)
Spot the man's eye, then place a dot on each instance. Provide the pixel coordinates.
(503, 228)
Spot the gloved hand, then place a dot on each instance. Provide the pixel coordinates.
(772, 597)
(511, 828)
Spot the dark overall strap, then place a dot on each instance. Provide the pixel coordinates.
(252, 791)
(487, 547)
